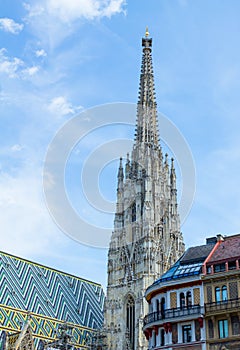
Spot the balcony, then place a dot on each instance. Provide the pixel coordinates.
(222, 306)
(172, 314)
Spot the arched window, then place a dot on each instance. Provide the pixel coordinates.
(224, 293)
(157, 305)
(182, 300)
(189, 299)
(163, 306)
(217, 295)
(130, 320)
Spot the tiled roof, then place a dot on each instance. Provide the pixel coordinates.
(50, 296)
(198, 253)
(229, 248)
(40, 289)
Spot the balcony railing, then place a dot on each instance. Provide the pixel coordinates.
(172, 313)
(222, 305)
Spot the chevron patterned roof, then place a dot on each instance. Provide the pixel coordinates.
(50, 296)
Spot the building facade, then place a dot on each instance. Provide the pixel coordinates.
(222, 290)
(195, 304)
(176, 305)
(146, 239)
(47, 299)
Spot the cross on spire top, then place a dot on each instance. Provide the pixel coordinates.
(146, 32)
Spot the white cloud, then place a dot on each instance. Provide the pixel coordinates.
(59, 105)
(40, 53)
(15, 67)
(52, 21)
(71, 10)
(10, 26)
(114, 7)
(30, 70)
(16, 148)
(34, 10)
(9, 66)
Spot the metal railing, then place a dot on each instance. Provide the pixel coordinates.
(173, 313)
(222, 305)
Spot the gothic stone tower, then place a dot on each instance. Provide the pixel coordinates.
(146, 239)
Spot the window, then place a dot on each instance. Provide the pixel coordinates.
(232, 265)
(162, 337)
(224, 293)
(174, 333)
(163, 307)
(221, 294)
(154, 339)
(209, 269)
(210, 329)
(182, 300)
(198, 325)
(209, 294)
(130, 306)
(223, 328)
(235, 325)
(217, 295)
(189, 299)
(219, 267)
(134, 212)
(150, 308)
(233, 290)
(157, 305)
(186, 333)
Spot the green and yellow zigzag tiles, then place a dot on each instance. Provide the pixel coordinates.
(42, 290)
(12, 319)
(50, 296)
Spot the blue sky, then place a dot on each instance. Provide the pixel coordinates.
(60, 57)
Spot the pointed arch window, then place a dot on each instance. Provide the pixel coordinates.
(130, 320)
(134, 212)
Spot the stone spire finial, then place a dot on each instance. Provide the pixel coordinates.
(146, 32)
(127, 167)
(173, 175)
(172, 165)
(166, 159)
(147, 41)
(147, 128)
(120, 169)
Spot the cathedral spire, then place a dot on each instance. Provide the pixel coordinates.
(146, 239)
(147, 128)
